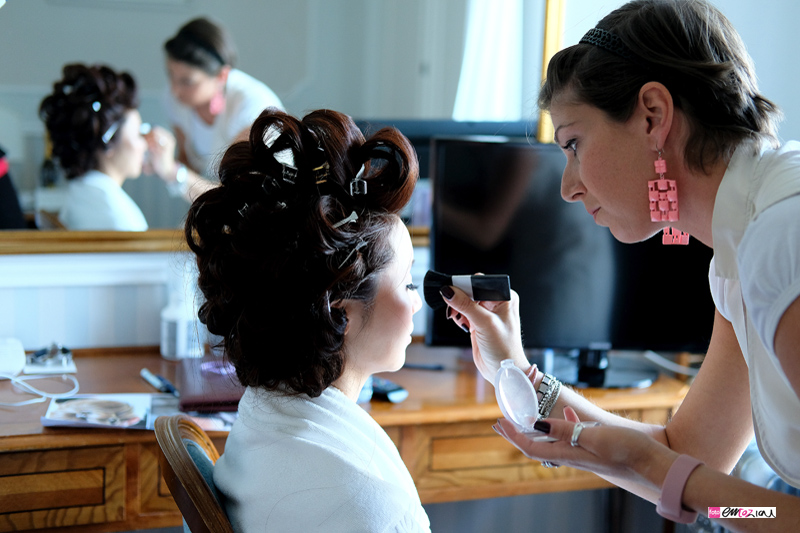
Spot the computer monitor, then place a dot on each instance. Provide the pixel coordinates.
(420, 132)
(497, 209)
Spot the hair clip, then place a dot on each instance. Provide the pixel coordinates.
(110, 132)
(270, 185)
(352, 217)
(321, 173)
(243, 210)
(358, 186)
(226, 229)
(357, 247)
(289, 174)
(96, 106)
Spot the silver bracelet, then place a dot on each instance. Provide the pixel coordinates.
(550, 388)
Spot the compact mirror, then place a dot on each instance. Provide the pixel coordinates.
(516, 396)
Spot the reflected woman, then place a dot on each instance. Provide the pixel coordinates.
(210, 104)
(97, 136)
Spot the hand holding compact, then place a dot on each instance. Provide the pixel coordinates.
(493, 326)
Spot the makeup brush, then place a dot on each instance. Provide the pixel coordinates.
(492, 287)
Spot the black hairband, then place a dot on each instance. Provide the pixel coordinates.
(609, 42)
(199, 43)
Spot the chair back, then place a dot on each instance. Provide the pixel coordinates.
(187, 457)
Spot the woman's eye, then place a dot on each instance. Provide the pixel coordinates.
(571, 144)
(412, 287)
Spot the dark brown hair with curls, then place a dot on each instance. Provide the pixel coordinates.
(690, 47)
(272, 266)
(84, 104)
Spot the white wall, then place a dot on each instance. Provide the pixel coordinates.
(769, 31)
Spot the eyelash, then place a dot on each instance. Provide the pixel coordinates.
(571, 144)
(412, 287)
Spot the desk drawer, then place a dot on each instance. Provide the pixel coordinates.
(62, 487)
(465, 461)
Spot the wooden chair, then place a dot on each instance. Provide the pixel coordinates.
(187, 457)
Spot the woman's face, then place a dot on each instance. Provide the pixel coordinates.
(126, 155)
(608, 167)
(190, 85)
(378, 342)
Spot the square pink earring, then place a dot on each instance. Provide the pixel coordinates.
(664, 203)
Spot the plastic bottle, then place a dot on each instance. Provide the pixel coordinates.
(182, 334)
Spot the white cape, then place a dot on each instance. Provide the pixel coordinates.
(314, 464)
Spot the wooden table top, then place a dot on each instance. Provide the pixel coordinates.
(455, 394)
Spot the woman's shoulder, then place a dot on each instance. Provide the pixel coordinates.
(243, 89)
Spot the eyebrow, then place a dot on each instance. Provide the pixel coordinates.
(555, 135)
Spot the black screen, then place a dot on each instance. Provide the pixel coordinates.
(497, 209)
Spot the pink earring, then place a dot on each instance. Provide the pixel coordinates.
(217, 103)
(664, 203)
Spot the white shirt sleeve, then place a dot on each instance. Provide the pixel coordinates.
(769, 266)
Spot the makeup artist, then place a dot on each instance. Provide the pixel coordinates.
(210, 103)
(658, 112)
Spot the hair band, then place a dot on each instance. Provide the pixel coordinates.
(607, 41)
(243, 210)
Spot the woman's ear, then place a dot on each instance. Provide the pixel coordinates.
(657, 107)
(339, 304)
(222, 75)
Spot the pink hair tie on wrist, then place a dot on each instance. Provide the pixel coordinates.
(669, 505)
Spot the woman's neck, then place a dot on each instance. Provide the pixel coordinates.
(115, 175)
(205, 114)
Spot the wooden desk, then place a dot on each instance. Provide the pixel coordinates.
(90, 480)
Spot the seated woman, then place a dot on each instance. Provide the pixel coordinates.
(305, 267)
(96, 132)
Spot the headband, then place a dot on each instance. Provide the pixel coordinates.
(607, 41)
(203, 45)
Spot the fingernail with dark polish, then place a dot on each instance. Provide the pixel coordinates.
(449, 310)
(497, 430)
(541, 425)
(458, 316)
(447, 292)
(464, 327)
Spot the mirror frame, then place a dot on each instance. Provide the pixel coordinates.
(171, 240)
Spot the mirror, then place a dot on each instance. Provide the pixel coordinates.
(368, 58)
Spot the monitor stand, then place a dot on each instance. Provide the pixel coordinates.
(596, 368)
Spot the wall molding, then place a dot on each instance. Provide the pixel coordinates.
(88, 270)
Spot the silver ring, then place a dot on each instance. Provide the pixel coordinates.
(548, 464)
(576, 431)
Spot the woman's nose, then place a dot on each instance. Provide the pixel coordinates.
(571, 187)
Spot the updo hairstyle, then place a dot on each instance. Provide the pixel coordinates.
(202, 44)
(83, 106)
(692, 49)
(276, 252)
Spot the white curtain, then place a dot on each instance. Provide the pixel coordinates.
(490, 85)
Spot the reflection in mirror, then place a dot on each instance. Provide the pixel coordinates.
(372, 59)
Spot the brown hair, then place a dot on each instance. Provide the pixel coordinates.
(203, 44)
(272, 261)
(83, 106)
(690, 47)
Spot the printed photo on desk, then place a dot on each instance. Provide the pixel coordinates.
(124, 411)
